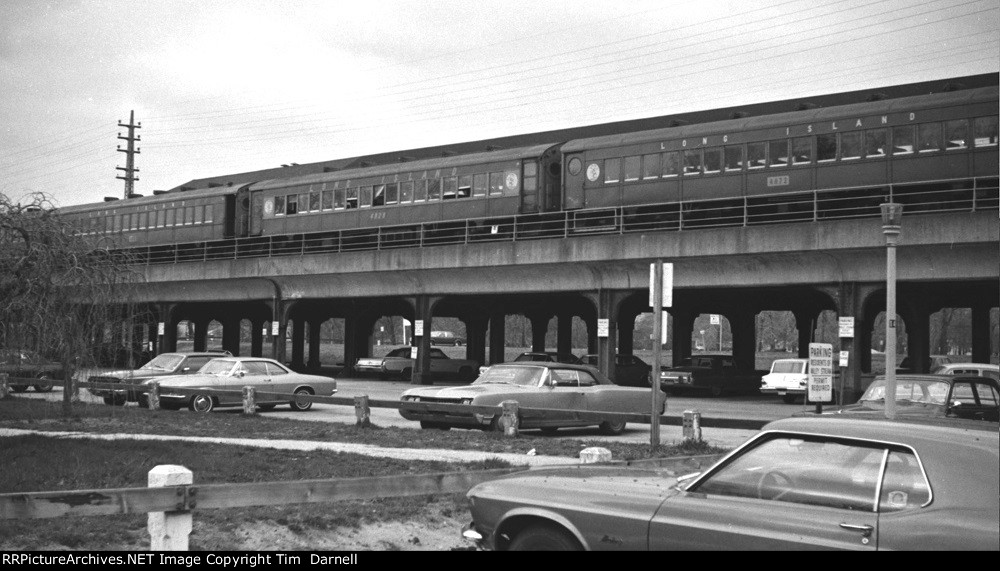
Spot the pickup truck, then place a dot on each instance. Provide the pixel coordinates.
(712, 374)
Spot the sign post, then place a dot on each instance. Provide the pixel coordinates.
(820, 387)
(661, 286)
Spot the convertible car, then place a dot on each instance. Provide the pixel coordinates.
(820, 483)
(546, 385)
(231, 374)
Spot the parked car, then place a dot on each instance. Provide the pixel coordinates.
(824, 482)
(534, 384)
(232, 374)
(548, 357)
(788, 379)
(22, 364)
(970, 397)
(712, 374)
(134, 381)
(630, 371)
(970, 369)
(399, 364)
(446, 338)
(933, 363)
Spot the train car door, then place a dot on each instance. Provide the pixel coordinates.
(256, 213)
(574, 195)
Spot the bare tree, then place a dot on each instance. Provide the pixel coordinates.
(64, 291)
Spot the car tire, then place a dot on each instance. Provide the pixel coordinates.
(115, 400)
(611, 428)
(301, 406)
(428, 425)
(201, 403)
(406, 375)
(44, 385)
(544, 538)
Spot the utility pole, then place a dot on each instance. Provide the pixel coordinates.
(130, 151)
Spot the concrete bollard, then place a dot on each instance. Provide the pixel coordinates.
(508, 422)
(4, 387)
(362, 411)
(691, 425)
(595, 455)
(170, 531)
(154, 396)
(249, 400)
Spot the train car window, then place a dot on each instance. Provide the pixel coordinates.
(327, 200)
(902, 140)
(671, 164)
(339, 198)
(692, 161)
(734, 158)
(713, 160)
(632, 168)
(479, 184)
(314, 204)
(352, 198)
(142, 221)
(929, 137)
(303, 202)
(133, 221)
(419, 190)
(118, 223)
(107, 224)
(199, 214)
(875, 143)
(850, 145)
(465, 186)
(378, 195)
(365, 196)
(801, 150)
(392, 193)
(956, 134)
(434, 189)
(650, 166)
(189, 216)
(985, 131)
(826, 147)
(450, 187)
(279, 205)
(292, 202)
(777, 153)
(406, 192)
(612, 170)
(208, 213)
(496, 183)
(160, 215)
(756, 155)
(530, 181)
(170, 217)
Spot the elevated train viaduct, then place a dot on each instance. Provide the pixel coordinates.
(944, 260)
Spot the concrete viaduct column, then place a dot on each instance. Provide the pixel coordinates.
(314, 343)
(168, 315)
(201, 334)
(743, 325)
(626, 332)
(359, 325)
(981, 350)
(853, 300)
(539, 328)
(608, 305)
(564, 336)
(805, 323)
(475, 335)
(257, 338)
(298, 342)
(497, 337)
(424, 310)
(231, 334)
(683, 324)
(917, 315)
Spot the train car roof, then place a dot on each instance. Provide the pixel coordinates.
(978, 95)
(148, 200)
(499, 155)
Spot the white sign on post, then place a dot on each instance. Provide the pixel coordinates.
(820, 387)
(418, 327)
(602, 327)
(161, 328)
(274, 328)
(844, 357)
(668, 285)
(714, 319)
(846, 327)
(413, 352)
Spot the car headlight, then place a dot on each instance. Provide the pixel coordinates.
(466, 401)
(410, 398)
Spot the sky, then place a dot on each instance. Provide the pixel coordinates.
(228, 86)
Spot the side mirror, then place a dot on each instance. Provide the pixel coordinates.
(186, 369)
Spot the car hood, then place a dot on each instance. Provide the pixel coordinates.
(595, 489)
(902, 408)
(130, 374)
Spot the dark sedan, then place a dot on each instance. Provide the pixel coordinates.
(630, 371)
(824, 482)
(970, 397)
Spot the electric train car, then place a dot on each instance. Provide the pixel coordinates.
(935, 152)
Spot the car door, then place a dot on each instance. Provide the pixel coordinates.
(566, 392)
(783, 492)
(441, 363)
(282, 380)
(254, 375)
(974, 399)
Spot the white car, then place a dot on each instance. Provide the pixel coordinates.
(788, 379)
(970, 369)
(398, 363)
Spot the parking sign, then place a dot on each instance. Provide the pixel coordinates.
(820, 387)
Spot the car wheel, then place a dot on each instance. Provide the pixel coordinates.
(544, 538)
(44, 385)
(789, 399)
(201, 403)
(406, 375)
(302, 404)
(427, 425)
(611, 428)
(115, 400)
(458, 343)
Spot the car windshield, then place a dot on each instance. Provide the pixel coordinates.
(923, 391)
(523, 376)
(165, 362)
(217, 367)
(533, 357)
(788, 367)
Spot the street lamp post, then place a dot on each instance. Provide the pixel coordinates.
(892, 215)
